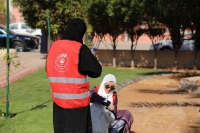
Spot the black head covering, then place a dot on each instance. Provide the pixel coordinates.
(75, 30)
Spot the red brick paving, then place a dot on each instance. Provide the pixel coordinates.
(30, 62)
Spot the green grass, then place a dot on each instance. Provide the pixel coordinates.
(30, 100)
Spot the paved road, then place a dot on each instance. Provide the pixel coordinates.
(30, 62)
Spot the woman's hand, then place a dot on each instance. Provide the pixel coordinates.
(111, 107)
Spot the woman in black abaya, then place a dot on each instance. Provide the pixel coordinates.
(77, 120)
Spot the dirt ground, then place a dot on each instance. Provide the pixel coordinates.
(159, 106)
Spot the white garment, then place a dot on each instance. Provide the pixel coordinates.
(101, 117)
(101, 92)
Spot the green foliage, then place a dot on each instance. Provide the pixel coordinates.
(97, 15)
(10, 62)
(114, 16)
(153, 32)
(88, 40)
(60, 12)
(2, 12)
(174, 14)
(134, 19)
(3, 8)
(2, 109)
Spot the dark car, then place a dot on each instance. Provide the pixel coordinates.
(21, 42)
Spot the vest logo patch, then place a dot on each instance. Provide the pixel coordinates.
(61, 62)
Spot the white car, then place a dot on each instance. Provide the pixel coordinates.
(22, 28)
(188, 45)
(162, 45)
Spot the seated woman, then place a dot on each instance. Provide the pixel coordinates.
(105, 95)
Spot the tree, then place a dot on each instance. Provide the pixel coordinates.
(2, 12)
(173, 14)
(193, 22)
(61, 12)
(175, 11)
(135, 18)
(134, 31)
(109, 17)
(97, 15)
(182, 14)
(155, 34)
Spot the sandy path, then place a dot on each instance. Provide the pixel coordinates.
(159, 107)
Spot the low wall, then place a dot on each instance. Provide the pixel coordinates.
(165, 59)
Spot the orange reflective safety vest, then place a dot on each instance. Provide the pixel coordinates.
(69, 88)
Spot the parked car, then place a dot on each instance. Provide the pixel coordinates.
(162, 45)
(188, 45)
(22, 27)
(21, 42)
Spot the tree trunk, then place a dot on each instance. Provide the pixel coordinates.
(195, 60)
(132, 64)
(176, 41)
(132, 56)
(197, 36)
(195, 65)
(175, 60)
(114, 62)
(155, 59)
(114, 54)
(155, 63)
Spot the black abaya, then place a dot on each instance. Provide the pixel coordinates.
(77, 120)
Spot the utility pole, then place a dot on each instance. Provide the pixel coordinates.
(48, 24)
(7, 57)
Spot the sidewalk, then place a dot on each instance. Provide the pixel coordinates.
(30, 62)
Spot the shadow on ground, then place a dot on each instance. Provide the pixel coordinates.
(170, 92)
(45, 57)
(195, 128)
(158, 73)
(162, 91)
(175, 75)
(163, 104)
(184, 75)
(40, 106)
(195, 96)
(1, 125)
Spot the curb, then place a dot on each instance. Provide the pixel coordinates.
(25, 73)
(130, 81)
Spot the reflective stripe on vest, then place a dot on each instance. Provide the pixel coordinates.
(68, 80)
(71, 96)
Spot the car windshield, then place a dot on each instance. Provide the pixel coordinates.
(4, 28)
